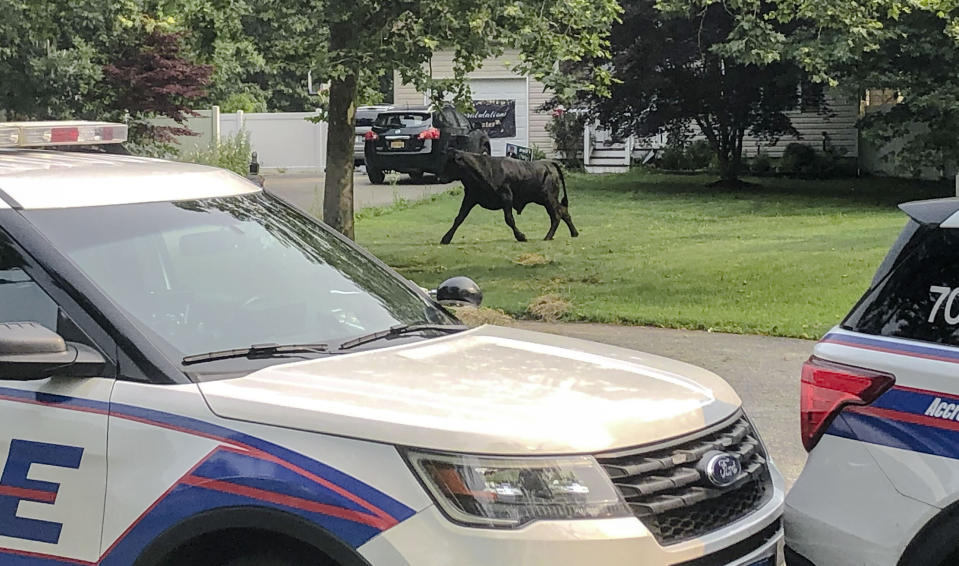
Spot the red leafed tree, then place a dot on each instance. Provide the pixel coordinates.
(152, 78)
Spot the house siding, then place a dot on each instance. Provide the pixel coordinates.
(838, 122)
(538, 136)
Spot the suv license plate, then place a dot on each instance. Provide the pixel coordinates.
(397, 144)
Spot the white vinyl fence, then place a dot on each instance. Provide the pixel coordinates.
(284, 141)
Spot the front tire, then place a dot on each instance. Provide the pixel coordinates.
(375, 175)
(416, 176)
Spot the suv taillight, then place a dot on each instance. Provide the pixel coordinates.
(827, 387)
(371, 136)
(430, 134)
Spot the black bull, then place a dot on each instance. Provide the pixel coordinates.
(502, 183)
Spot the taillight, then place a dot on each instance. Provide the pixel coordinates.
(827, 387)
(430, 134)
(371, 136)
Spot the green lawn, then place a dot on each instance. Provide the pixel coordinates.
(787, 258)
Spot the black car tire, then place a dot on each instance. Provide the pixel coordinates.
(416, 176)
(376, 176)
(273, 559)
(486, 150)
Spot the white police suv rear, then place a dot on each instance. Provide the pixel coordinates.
(195, 373)
(880, 413)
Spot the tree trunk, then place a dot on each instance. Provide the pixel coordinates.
(338, 189)
(730, 164)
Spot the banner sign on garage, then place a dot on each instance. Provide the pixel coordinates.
(497, 117)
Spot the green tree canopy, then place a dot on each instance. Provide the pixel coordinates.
(918, 61)
(672, 76)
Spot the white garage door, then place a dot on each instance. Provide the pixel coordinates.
(506, 89)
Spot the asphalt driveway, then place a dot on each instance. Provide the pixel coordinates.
(764, 371)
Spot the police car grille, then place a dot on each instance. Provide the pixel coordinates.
(676, 501)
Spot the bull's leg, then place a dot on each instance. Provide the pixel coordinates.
(508, 216)
(551, 209)
(564, 214)
(465, 209)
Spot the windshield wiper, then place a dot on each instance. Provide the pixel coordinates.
(257, 351)
(398, 331)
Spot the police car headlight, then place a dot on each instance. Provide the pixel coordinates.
(483, 491)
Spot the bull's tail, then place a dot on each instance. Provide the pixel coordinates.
(562, 178)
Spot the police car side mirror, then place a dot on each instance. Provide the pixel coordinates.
(458, 292)
(29, 351)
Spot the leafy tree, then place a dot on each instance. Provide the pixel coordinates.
(291, 38)
(671, 73)
(151, 78)
(51, 56)
(370, 38)
(909, 45)
(261, 50)
(919, 61)
(95, 60)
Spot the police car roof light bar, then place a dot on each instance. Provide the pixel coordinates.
(9, 136)
(44, 134)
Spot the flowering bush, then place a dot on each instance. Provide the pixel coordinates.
(566, 128)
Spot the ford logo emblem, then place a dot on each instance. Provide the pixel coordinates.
(721, 469)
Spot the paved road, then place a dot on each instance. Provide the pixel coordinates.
(764, 371)
(306, 191)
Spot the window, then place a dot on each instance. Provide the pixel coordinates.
(21, 299)
(812, 97)
(231, 272)
(402, 120)
(462, 121)
(916, 293)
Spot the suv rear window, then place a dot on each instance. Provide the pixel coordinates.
(403, 120)
(364, 119)
(915, 294)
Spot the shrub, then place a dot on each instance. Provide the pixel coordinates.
(699, 155)
(673, 158)
(762, 165)
(244, 101)
(566, 129)
(800, 161)
(231, 153)
(696, 156)
(537, 153)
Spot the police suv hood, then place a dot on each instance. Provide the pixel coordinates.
(490, 390)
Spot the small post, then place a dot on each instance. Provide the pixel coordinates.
(957, 184)
(240, 120)
(629, 151)
(254, 174)
(215, 127)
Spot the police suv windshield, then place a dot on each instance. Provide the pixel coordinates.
(231, 272)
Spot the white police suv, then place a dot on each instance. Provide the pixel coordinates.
(880, 414)
(192, 372)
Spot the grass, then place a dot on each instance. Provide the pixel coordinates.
(786, 258)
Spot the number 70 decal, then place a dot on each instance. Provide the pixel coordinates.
(947, 297)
